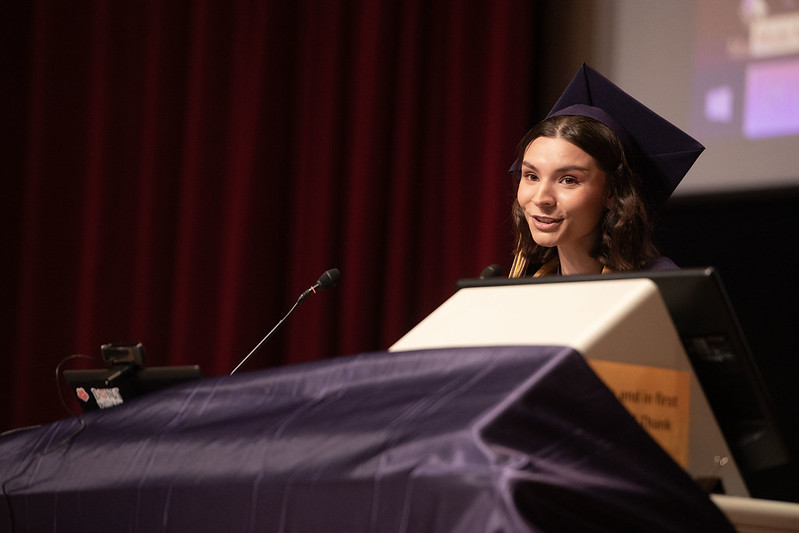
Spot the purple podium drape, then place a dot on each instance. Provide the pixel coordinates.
(479, 439)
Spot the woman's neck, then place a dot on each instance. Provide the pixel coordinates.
(578, 263)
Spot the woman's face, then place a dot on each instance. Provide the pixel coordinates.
(562, 194)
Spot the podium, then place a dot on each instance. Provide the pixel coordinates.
(625, 330)
(618, 321)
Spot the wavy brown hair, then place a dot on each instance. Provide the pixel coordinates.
(624, 241)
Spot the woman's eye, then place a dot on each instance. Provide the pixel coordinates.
(530, 176)
(568, 180)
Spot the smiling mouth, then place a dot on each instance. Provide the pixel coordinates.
(543, 223)
(546, 220)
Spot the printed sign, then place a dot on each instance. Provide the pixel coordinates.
(658, 398)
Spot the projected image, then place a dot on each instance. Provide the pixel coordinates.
(747, 69)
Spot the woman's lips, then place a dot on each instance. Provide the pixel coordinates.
(546, 223)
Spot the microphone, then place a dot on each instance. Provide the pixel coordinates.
(328, 280)
(491, 271)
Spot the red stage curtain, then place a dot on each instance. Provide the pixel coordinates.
(183, 171)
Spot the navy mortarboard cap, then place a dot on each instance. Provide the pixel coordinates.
(658, 150)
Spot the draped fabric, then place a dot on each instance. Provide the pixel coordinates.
(177, 173)
(499, 439)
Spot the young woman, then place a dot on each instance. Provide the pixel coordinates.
(582, 205)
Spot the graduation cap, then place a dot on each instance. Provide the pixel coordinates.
(658, 150)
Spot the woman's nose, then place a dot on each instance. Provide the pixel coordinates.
(543, 194)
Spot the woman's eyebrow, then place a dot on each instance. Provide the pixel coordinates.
(567, 168)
